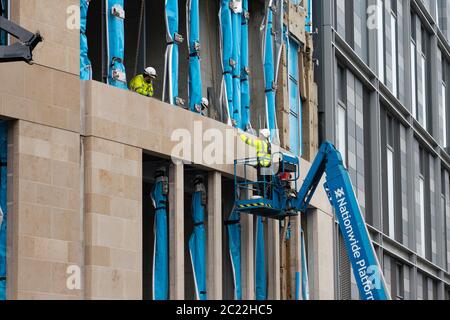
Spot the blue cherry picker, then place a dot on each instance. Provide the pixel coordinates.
(278, 198)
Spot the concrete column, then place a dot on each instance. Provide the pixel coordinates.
(248, 255)
(294, 254)
(176, 231)
(320, 249)
(327, 71)
(214, 227)
(273, 245)
(440, 217)
(441, 287)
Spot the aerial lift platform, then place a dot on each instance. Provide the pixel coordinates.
(279, 199)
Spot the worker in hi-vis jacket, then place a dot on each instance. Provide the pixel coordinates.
(143, 83)
(263, 153)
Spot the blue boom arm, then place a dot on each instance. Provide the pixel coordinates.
(366, 268)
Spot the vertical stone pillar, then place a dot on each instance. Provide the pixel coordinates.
(320, 245)
(214, 227)
(113, 220)
(176, 231)
(273, 246)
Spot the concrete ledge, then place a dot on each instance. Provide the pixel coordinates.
(149, 124)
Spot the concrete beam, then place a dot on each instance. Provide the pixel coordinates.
(214, 227)
(176, 231)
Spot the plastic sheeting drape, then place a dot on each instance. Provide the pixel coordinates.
(3, 207)
(226, 50)
(245, 76)
(305, 279)
(308, 20)
(172, 52)
(85, 63)
(234, 244)
(160, 250)
(115, 36)
(195, 77)
(272, 44)
(260, 262)
(197, 243)
(236, 15)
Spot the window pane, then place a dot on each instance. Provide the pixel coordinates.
(400, 291)
(341, 133)
(390, 183)
(294, 134)
(294, 99)
(422, 216)
(413, 80)
(423, 99)
(380, 40)
(394, 53)
(444, 115)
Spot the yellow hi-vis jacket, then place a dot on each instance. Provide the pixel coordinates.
(262, 150)
(139, 85)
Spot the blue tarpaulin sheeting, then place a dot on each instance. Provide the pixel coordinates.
(85, 63)
(195, 77)
(226, 50)
(197, 242)
(309, 18)
(245, 81)
(116, 43)
(260, 262)
(172, 52)
(269, 71)
(272, 44)
(3, 207)
(305, 279)
(301, 278)
(236, 15)
(160, 251)
(234, 244)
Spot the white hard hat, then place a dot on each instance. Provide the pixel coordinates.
(265, 133)
(205, 102)
(150, 71)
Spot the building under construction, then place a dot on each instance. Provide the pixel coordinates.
(110, 194)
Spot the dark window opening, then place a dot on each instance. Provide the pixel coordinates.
(227, 268)
(399, 282)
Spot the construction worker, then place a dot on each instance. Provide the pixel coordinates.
(143, 83)
(263, 152)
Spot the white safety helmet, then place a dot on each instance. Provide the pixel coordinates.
(150, 71)
(205, 102)
(265, 133)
